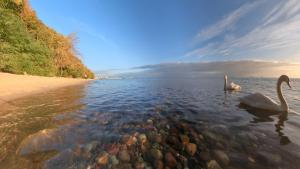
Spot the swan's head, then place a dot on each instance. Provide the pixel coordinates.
(286, 79)
(225, 77)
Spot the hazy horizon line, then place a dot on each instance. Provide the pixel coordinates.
(237, 68)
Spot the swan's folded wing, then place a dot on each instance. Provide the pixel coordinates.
(234, 86)
(260, 101)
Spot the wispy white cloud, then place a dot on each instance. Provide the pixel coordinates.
(283, 10)
(226, 23)
(277, 33)
(87, 29)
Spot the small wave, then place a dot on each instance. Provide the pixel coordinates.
(292, 111)
(298, 99)
(53, 105)
(34, 106)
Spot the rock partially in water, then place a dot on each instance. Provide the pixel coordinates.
(221, 157)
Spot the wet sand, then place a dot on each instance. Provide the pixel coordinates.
(15, 86)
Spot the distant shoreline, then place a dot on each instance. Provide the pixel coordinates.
(14, 86)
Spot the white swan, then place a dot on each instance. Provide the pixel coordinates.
(232, 86)
(260, 101)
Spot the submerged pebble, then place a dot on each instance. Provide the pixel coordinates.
(204, 156)
(103, 158)
(128, 140)
(270, 158)
(139, 165)
(221, 157)
(156, 144)
(124, 156)
(184, 139)
(213, 165)
(191, 148)
(156, 154)
(65, 159)
(114, 160)
(170, 160)
(150, 121)
(142, 138)
(159, 164)
(91, 146)
(124, 166)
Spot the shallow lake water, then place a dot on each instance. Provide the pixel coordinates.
(36, 131)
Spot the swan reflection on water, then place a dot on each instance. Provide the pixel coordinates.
(261, 116)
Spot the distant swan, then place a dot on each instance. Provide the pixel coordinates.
(232, 86)
(260, 101)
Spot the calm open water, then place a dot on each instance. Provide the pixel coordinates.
(81, 114)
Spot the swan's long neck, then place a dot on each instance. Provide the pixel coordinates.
(283, 103)
(225, 83)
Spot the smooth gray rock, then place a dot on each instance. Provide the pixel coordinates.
(45, 140)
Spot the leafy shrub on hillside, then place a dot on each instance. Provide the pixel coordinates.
(19, 52)
(27, 45)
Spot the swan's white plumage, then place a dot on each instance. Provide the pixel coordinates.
(230, 86)
(260, 101)
(233, 86)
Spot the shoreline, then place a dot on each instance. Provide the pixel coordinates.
(14, 86)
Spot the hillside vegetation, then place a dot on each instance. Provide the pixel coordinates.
(28, 45)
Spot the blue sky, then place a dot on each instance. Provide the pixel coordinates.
(120, 34)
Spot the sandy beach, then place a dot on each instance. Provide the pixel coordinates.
(15, 86)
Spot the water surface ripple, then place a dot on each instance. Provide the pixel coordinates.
(100, 109)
